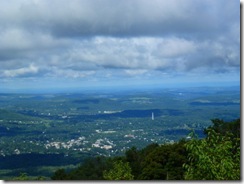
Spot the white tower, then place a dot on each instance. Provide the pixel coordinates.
(152, 116)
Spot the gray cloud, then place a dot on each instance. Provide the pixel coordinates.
(123, 18)
(105, 39)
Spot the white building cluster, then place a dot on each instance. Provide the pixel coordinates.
(103, 144)
(66, 145)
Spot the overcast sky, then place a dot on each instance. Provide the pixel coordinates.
(83, 43)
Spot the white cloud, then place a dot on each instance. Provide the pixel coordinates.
(125, 53)
(175, 47)
(68, 73)
(135, 72)
(31, 69)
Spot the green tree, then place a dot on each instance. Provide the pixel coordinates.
(120, 171)
(25, 177)
(134, 158)
(222, 127)
(60, 174)
(213, 158)
(164, 162)
(137, 157)
(22, 177)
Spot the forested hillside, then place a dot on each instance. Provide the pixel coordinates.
(215, 157)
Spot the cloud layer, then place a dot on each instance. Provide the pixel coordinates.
(108, 40)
